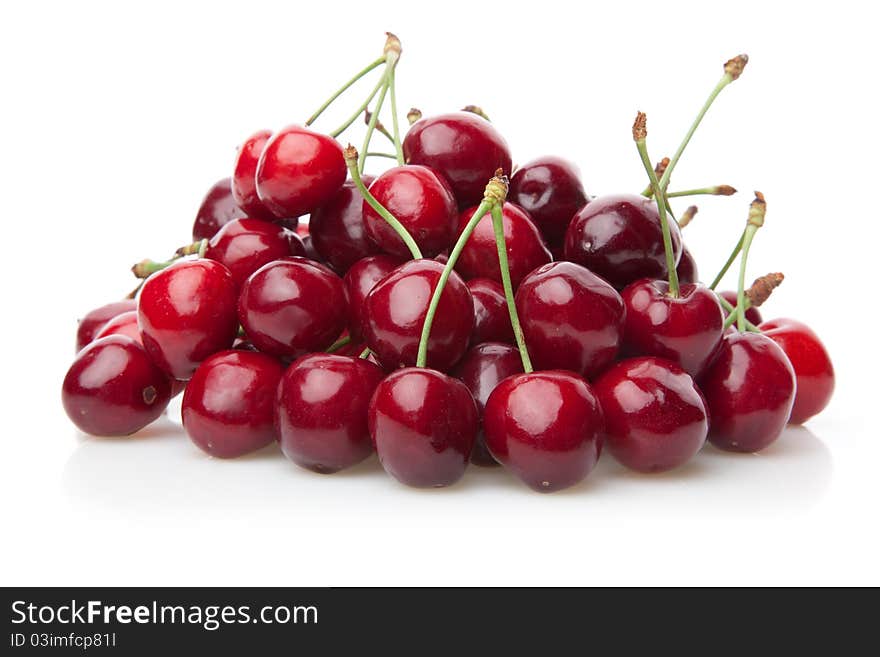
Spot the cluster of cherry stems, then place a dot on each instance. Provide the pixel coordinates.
(553, 322)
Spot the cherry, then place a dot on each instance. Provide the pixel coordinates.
(463, 147)
(686, 329)
(753, 315)
(811, 362)
(186, 313)
(359, 280)
(491, 318)
(423, 424)
(571, 318)
(687, 268)
(550, 190)
(655, 418)
(113, 388)
(421, 201)
(525, 246)
(244, 183)
(95, 319)
(546, 427)
(123, 324)
(338, 230)
(395, 310)
(218, 209)
(750, 390)
(292, 306)
(619, 238)
(299, 170)
(228, 406)
(322, 411)
(481, 370)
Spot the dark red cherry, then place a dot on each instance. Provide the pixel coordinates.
(549, 188)
(655, 418)
(687, 268)
(360, 278)
(619, 238)
(309, 248)
(322, 411)
(750, 390)
(299, 171)
(218, 209)
(811, 362)
(525, 246)
(95, 319)
(491, 316)
(113, 388)
(545, 427)
(338, 230)
(395, 309)
(752, 314)
(292, 306)
(124, 324)
(244, 176)
(463, 147)
(481, 370)
(571, 318)
(423, 424)
(686, 329)
(186, 313)
(228, 406)
(421, 201)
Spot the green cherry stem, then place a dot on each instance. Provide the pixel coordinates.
(344, 88)
(386, 155)
(360, 110)
(395, 121)
(733, 255)
(731, 315)
(339, 344)
(392, 56)
(757, 211)
(371, 126)
(365, 353)
(717, 190)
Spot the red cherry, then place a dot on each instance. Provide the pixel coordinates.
(571, 318)
(113, 388)
(228, 406)
(750, 391)
(338, 230)
(186, 313)
(811, 362)
(421, 201)
(655, 418)
(752, 314)
(424, 425)
(244, 183)
(359, 280)
(322, 411)
(619, 238)
(525, 246)
(687, 268)
(491, 316)
(686, 329)
(395, 309)
(95, 319)
(545, 427)
(463, 147)
(218, 209)
(549, 188)
(124, 324)
(299, 171)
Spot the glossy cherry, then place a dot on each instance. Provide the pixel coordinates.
(124, 324)
(655, 418)
(545, 427)
(94, 320)
(186, 313)
(463, 147)
(811, 362)
(424, 425)
(113, 388)
(619, 238)
(322, 411)
(549, 188)
(421, 201)
(228, 406)
(292, 306)
(244, 176)
(218, 209)
(571, 318)
(359, 280)
(752, 314)
(338, 230)
(395, 310)
(687, 268)
(750, 390)
(491, 317)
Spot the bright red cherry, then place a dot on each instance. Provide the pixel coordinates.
(491, 316)
(395, 310)
(750, 390)
(571, 318)
(338, 230)
(228, 406)
(752, 314)
(463, 147)
(525, 246)
(421, 201)
(423, 424)
(124, 324)
(359, 280)
(244, 181)
(322, 411)
(686, 329)
(95, 319)
(811, 362)
(550, 190)
(113, 388)
(186, 313)
(655, 418)
(687, 268)
(619, 238)
(299, 170)
(545, 427)
(218, 209)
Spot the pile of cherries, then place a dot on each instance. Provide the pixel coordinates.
(439, 314)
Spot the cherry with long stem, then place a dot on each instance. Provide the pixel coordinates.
(757, 210)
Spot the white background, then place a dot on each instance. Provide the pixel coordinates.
(115, 118)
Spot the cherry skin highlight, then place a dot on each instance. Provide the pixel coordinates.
(338, 230)
(752, 314)
(125, 324)
(218, 209)
(491, 317)
(95, 320)
(244, 182)
(359, 281)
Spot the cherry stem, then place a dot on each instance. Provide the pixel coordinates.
(395, 121)
(365, 353)
(391, 156)
(375, 64)
(371, 126)
(732, 314)
(145, 268)
(730, 259)
(339, 344)
(755, 221)
(717, 190)
(360, 110)
(687, 216)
